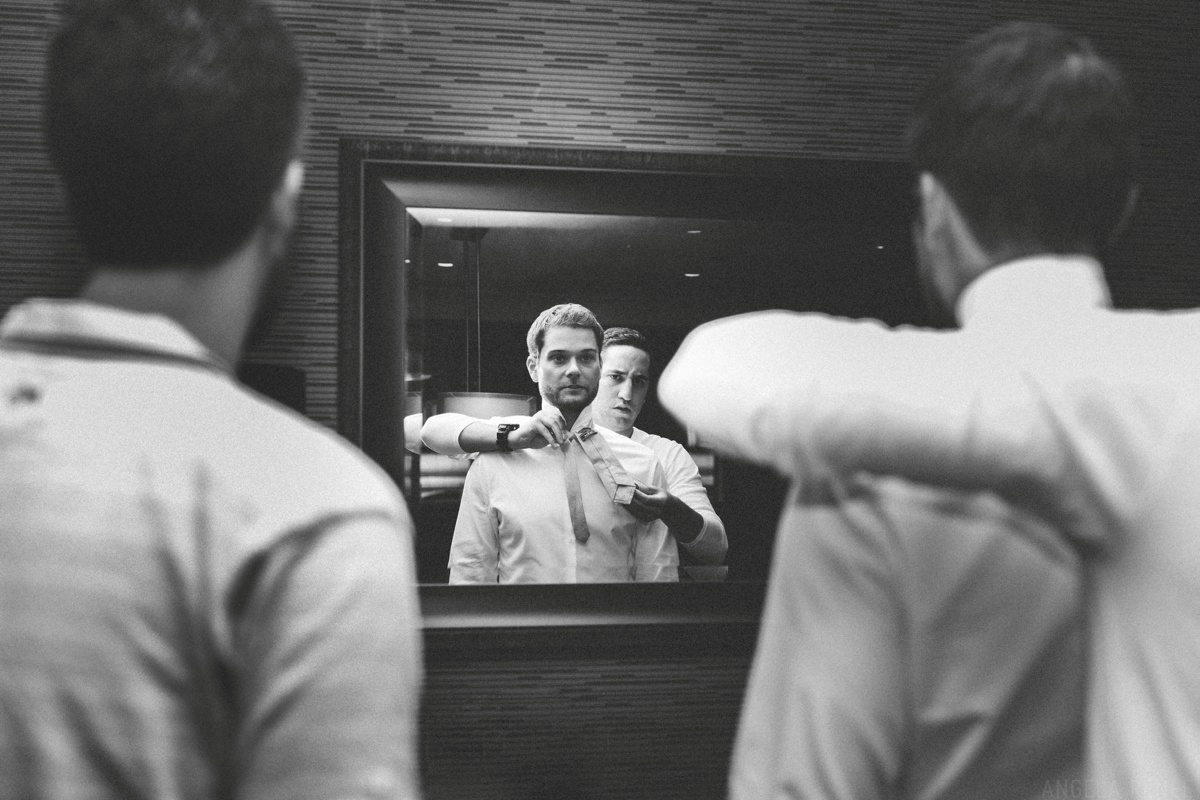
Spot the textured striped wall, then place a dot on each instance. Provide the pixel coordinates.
(786, 77)
(791, 77)
(1157, 43)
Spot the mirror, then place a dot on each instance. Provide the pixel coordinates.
(450, 252)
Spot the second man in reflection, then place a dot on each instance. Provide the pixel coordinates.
(682, 502)
(561, 514)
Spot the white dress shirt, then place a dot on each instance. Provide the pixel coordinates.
(882, 670)
(514, 522)
(683, 481)
(1087, 415)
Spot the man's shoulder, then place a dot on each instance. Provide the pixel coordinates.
(264, 437)
(635, 457)
(663, 447)
(625, 444)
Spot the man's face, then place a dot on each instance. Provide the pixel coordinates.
(567, 370)
(624, 382)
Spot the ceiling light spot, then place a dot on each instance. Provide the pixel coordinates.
(445, 263)
(691, 274)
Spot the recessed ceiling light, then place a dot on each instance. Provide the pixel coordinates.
(695, 231)
(878, 247)
(691, 274)
(445, 263)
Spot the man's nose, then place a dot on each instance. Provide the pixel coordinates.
(624, 391)
(573, 366)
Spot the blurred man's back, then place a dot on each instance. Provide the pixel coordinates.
(202, 594)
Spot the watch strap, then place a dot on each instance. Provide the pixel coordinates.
(502, 431)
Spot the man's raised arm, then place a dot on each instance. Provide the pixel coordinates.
(458, 434)
(813, 397)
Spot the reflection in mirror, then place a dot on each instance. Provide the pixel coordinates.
(459, 256)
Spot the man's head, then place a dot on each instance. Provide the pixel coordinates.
(564, 356)
(624, 379)
(1024, 142)
(173, 124)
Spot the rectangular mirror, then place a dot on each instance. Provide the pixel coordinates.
(449, 253)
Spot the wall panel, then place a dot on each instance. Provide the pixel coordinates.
(790, 77)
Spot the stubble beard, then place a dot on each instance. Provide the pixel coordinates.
(568, 406)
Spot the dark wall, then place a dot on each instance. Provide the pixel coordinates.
(787, 77)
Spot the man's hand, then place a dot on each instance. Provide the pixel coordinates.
(650, 503)
(545, 427)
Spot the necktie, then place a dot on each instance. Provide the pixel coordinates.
(614, 477)
(572, 452)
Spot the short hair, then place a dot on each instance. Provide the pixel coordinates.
(563, 315)
(171, 123)
(626, 336)
(1033, 135)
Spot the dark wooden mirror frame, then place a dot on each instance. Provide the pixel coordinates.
(823, 192)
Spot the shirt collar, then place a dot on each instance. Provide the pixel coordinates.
(584, 420)
(1034, 286)
(54, 319)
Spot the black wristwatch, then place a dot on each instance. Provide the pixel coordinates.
(502, 431)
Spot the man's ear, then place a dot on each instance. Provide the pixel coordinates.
(937, 206)
(531, 364)
(284, 210)
(958, 257)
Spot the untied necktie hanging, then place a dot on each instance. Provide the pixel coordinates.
(587, 445)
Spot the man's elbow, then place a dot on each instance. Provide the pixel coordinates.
(712, 545)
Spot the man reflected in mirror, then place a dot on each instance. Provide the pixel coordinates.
(561, 513)
(682, 502)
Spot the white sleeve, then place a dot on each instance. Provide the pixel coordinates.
(441, 431)
(683, 481)
(815, 397)
(474, 549)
